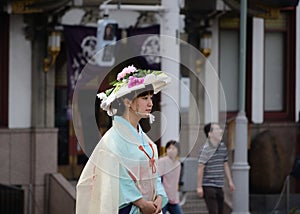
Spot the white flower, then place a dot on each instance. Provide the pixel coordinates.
(107, 101)
(101, 96)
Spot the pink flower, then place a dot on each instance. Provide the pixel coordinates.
(125, 71)
(133, 81)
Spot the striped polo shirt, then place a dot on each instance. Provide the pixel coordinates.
(213, 158)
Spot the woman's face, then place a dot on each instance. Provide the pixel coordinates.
(172, 151)
(143, 105)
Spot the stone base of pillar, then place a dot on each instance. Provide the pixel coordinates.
(240, 167)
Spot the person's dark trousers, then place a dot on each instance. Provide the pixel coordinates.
(214, 199)
(172, 209)
(125, 210)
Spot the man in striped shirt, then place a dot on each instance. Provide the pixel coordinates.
(213, 164)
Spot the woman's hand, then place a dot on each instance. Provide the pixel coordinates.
(158, 204)
(147, 207)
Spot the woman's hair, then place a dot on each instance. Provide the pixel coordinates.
(174, 143)
(119, 104)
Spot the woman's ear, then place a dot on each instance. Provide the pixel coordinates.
(127, 102)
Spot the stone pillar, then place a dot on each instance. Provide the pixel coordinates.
(240, 167)
(43, 150)
(169, 30)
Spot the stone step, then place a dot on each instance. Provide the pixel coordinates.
(193, 204)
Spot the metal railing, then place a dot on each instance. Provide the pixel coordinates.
(11, 200)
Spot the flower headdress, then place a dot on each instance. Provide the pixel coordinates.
(131, 79)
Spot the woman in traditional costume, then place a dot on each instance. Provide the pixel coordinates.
(121, 174)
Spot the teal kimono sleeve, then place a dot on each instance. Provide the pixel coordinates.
(128, 190)
(161, 191)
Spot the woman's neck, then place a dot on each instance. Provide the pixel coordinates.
(172, 159)
(132, 119)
